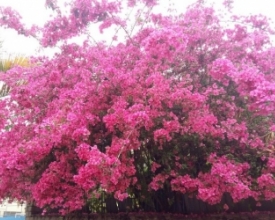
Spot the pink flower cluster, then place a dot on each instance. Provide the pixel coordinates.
(182, 103)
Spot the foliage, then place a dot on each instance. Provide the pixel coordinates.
(184, 104)
(6, 64)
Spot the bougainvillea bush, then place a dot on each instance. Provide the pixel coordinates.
(182, 103)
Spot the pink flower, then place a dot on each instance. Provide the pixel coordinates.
(225, 207)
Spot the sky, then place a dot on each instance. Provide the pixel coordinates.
(34, 11)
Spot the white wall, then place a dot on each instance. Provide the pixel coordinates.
(13, 207)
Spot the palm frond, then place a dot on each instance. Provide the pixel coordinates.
(6, 64)
(9, 63)
(4, 90)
